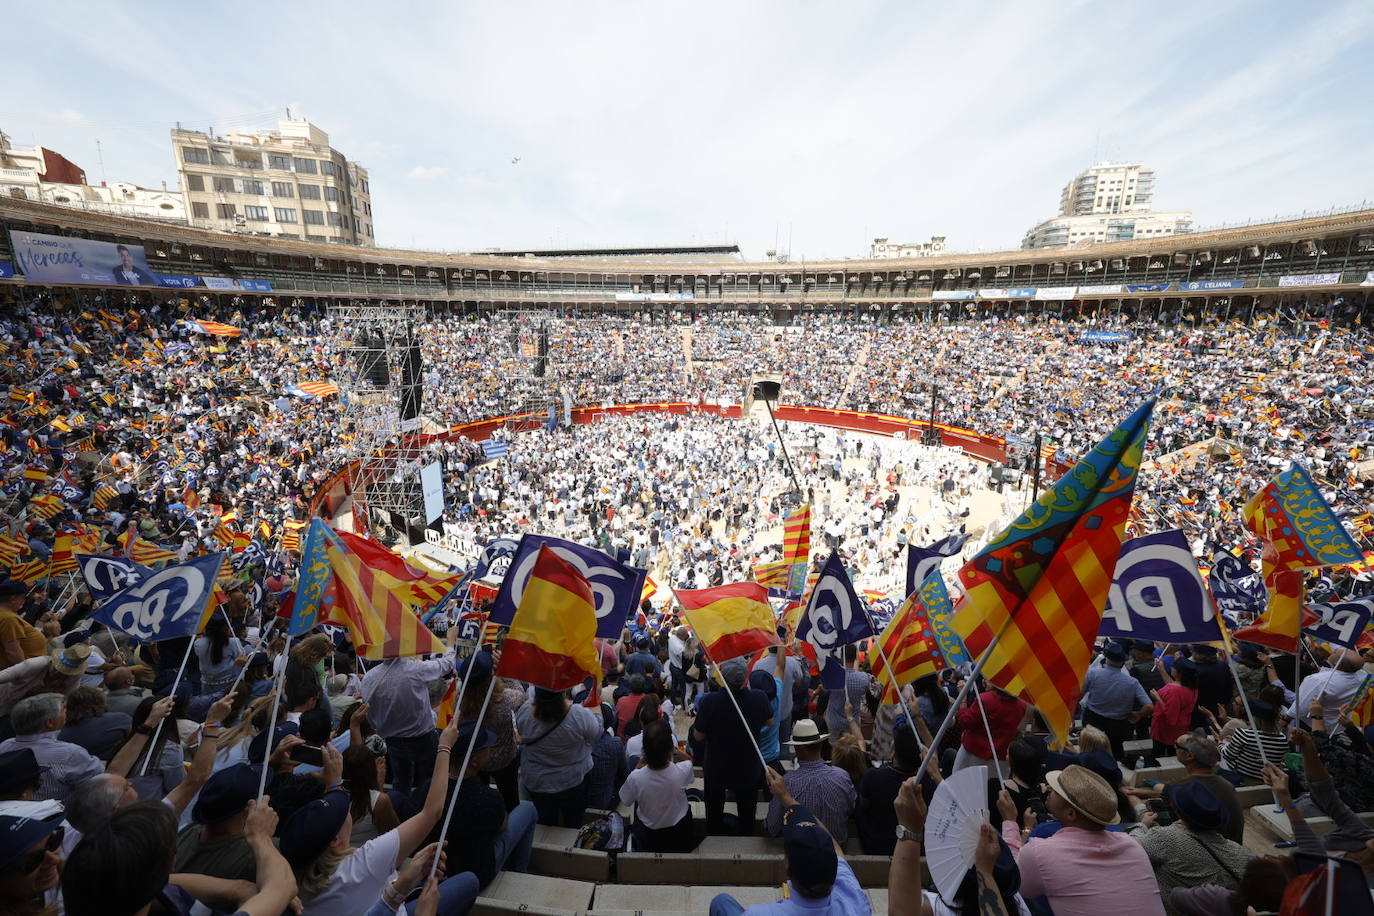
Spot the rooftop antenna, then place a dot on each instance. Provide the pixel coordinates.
(100, 155)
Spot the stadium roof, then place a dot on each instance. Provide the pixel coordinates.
(686, 254)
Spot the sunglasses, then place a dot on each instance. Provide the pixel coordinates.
(29, 862)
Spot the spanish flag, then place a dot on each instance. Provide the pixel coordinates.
(551, 642)
(37, 475)
(730, 620)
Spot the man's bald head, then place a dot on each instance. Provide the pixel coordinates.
(119, 679)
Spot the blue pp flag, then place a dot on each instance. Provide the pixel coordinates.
(1343, 622)
(108, 576)
(1157, 593)
(1237, 588)
(496, 558)
(165, 604)
(922, 561)
(616, 586)
(833, 618)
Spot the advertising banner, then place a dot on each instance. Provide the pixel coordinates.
(7, 270)
(1202, 285)
(1055, 292)
(1105, 336)
(1103, 289)
(1021, 292)
(653, 297)
(178, 282)
(1310, 279)
(952, 294)
(992, 294)
(237, 284)
(58, 259)
(1146, 287)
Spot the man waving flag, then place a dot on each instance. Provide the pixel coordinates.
(834, 617)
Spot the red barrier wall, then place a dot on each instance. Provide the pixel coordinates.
(985, 448)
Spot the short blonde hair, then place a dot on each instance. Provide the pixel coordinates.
(1092, 738)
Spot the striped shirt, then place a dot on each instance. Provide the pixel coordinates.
(1241, 752)
(827, 791)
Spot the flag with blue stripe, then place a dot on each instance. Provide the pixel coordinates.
(833, 618)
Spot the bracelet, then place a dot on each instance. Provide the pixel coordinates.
(392, 897)
(446, 747)
(145, 730)
(334, 785)
(212, 725)
(1290, 805)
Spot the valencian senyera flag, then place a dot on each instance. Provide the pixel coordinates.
(552, 638)
(337, 587)
(909, 641)
(796, 548)
(730, 620)
(1039, 588)
(1299, 531)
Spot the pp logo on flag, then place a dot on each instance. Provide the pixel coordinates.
(831, 614)
(165, 604)
(107, 575)
(601, 578)
(1158, 594)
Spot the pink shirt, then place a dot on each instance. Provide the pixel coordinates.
(1173, 712)
(1087, 872)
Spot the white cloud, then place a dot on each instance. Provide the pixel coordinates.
(425, 172)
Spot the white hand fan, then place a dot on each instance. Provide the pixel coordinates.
(957, 811)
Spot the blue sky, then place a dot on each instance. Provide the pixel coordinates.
(671, 123)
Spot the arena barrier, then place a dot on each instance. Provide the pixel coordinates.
(339, 485)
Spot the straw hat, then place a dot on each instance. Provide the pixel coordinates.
(1086, 791)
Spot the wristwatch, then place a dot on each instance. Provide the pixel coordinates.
(905, 834)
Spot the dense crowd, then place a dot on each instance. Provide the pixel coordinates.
(130, 432)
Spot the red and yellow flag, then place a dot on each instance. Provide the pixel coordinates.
(374, 606)
(730, 620)
(291, 534)
(796, 546)
(910, 643)
(425, 587)
(551, 641)
(1036, 592)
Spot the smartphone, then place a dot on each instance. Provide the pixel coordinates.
(308, 754)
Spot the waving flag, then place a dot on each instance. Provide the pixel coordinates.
(1236, 587)
(796, 547)
(291, 534)
(1299, 532)
(730, 620)
(551, 641)
(214, 328)
(1342, 622)
(909, 641)
(1157, 593)
(834, 617)
(922, 561)
(1038, 589)
(425, 587)
(165, 604)
(615, 586)
(1360, 709)
(318, 389)
(776, 577)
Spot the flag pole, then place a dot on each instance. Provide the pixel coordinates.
(272, 719)
(753, 739)
(148, 756)
(467, 757)
(963, 695)
(257, 644)
(882, 653)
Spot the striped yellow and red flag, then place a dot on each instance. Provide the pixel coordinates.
(46, 505)
(291, 534)
(37, 475)
(190, 498)
(1035, 594)
(796, 546)
(649, 590)
(318, 389)
(730, 620)
(63, 557)
(374, 606)
(426, 587)
(552, 638)
(145, 552)
(30, 571)
(775, 575)
(217, 329)
(11, 549)
(443, 713)
(910, 643)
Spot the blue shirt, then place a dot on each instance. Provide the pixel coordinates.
(846, 899)
(1112, 692)
(768, 734)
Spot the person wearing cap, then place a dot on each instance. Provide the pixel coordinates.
(642, 660)
(1215, 686)
(1174, 704)
(1114, 701)
(31, 835)
(1191, 851)
(482, 837)
(1201, 758)
(397, 695)
(214, 843)
(18, 638)
(20, 775)
(819, 880)
(732, 759)
(1083, 869)
(827, 790)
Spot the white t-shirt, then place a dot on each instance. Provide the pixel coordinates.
(660, 794)
(359, 880)
(634, 745)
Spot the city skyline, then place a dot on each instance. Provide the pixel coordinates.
(541, 126)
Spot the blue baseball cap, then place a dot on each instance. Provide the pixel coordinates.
(809, 848)
(307, 833)
(227, 793)
(24, 824)
(478, 667)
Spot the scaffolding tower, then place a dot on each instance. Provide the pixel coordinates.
(529, 374)
(380, 379)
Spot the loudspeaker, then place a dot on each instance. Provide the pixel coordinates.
(372, 359)
(412, 379)
(541, 359)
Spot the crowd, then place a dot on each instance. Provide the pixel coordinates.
(128, 432)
